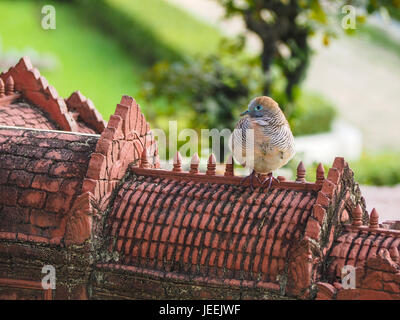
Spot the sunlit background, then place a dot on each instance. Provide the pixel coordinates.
(198, 62)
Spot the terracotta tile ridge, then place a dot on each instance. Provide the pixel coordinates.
(237, 283)
(367, 229)
(86, 110)
(373, 227)
(51, 131)
(122, 142)
(211, 177)
(326, 194)
(36, 89)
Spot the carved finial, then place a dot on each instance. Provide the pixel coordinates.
(374, 219)
(9, 86)
(357, 216)
(2, 89)
(301, 172)
(194, 164)
(394, 254)
(229, 166)
(177, 162)
(144, 162)
(320, 174)
(211, 165)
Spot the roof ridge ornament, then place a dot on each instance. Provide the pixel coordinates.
(144, 162)
(374, 219)
(177, 162)
(301, 172)
(357, 216)
(320, 174)
(9, 88)
(86, 110)
(211, 165)
(35, 88)
(194, 164)
(2, 88)
(229, 166)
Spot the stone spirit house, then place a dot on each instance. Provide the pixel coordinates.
(88, 198)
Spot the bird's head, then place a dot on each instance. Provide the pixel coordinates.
(263, 107)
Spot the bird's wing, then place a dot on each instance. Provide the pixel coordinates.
(280, 136)
(240, 138)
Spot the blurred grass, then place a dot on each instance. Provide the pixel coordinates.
(90, 61)
(173, 26)
(313, 114)
(377, 169)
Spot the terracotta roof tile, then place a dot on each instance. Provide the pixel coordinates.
(40, 177)
(355, 246)
(32, 103)
(21, 114)
(207, 229)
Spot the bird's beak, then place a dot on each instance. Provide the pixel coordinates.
(244, 113)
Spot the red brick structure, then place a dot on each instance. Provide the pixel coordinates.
(91, 201)
(58, 160)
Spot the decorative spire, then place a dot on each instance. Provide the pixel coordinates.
(301, 172)
(320, 174)
(2, 89)
(144, 162)
(177, 162)
(9, 86)
(211, 165)
(374, 219)
(194, 164)
(394, 254)
(229, 166)
(357, 216)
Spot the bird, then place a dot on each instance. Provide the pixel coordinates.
(262, 140)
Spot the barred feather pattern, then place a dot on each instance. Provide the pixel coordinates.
(241, 139)
(278, 137)
(280, 134)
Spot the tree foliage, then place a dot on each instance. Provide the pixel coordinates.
(215, 87)
(285, 26)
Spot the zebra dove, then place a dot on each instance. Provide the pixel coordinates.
(268, 145)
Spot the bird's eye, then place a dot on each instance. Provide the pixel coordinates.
(258, 108)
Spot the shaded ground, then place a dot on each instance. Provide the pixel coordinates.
(363, 81)
(386, 200)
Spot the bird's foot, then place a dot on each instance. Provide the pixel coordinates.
(251, 177)
(269, 181)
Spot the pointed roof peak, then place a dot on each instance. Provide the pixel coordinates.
(35, 89)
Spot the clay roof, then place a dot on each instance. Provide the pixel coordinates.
(27, 100)
(212, 229)
(358, 244)
(21, 114)
(206, 225)
(49, 179)
(41, 174)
